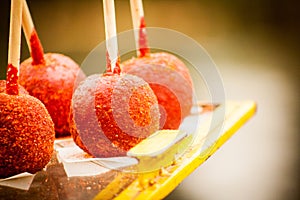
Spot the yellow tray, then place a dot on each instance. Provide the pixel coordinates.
(158, 184)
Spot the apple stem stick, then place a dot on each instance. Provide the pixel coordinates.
(33, 41)
(14, 48)
(112, 57)
(139, 25)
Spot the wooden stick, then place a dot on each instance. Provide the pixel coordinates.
(138, 21)
(27, 23)
(137, 12)
(14, 48)
(32, 39)
(110, 35)
(15, 33)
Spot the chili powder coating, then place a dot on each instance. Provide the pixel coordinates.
(171, 82)
(112, 113)
(3, 88)
(26, 135)
(52, 82)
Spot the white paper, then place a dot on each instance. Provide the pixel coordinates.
(83, 169)
(76, 162)
(20, 181)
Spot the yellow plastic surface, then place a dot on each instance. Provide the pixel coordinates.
(158, 184)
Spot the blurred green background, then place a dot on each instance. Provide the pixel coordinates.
(256, 46)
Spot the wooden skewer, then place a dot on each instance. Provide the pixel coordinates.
(14, 48)
(27, 23)
(32, 39)
(137, 12)
(15, 33)
(139, 25)
(111, 35)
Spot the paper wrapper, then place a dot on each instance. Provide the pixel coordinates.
(20, 181)
(78, 163)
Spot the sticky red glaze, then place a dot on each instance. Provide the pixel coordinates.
(26, 135)
(170, 80)
(143, 43)
(117, 69)
(114, 116)
(108, 63)
(3, 88)
(37, 52)
(12, 80)
(53, 83)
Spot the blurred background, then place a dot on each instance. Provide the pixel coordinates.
(256, 46)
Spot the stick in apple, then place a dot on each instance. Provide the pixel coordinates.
(50, 77)
(121, 109)
(167, 75)
(26, 129)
